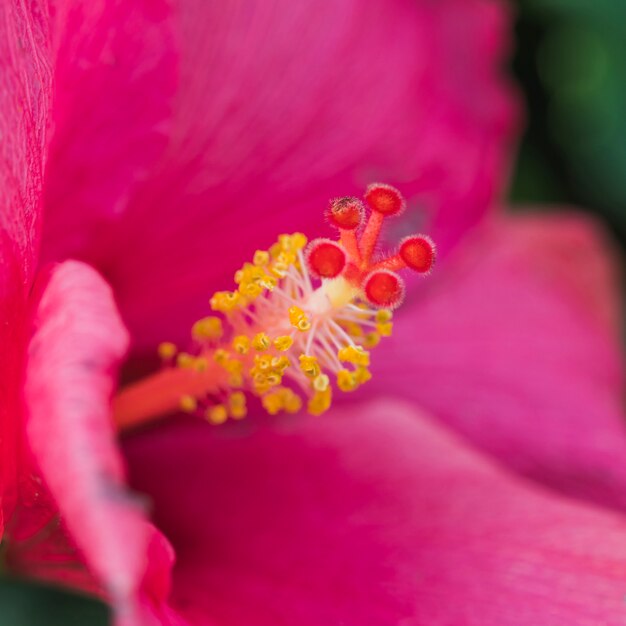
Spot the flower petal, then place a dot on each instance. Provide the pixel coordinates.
(115, 78)
(24, 105)
(283, 105)
(376, 516)
(77, 343)
(514, 345)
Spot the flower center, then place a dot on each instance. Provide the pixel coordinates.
(300, 323)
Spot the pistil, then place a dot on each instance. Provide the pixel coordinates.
(300, 322)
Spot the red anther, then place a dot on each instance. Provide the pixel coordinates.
(325, 258)
(345, 213)
(384, 199)
(384, 288)
(418, 252)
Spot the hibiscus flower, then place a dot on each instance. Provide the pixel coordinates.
(148, 150)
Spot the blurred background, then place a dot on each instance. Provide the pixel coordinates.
(570, 64)
(570, 61)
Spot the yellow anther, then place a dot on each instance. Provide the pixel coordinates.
(167, 350)
(384, 329)
(259, 382)
(259, 363)
(273, 379)
(273, 402)
(237, 405)
(269, 282)
(220, 356)
(185, 360)
(262, 363)
(292, 402)
(352, 328)
(280, 364)
(309, 366)
(371, 340)
(320, 402)
(303, 325)
(241, 344)
(261, 342)
(252, 290)
(355, 355)
(285, 242)
(261, 258)
(321, 382)
(278, 271)
(227, 301)
(217, 414)
(188, 404)
(207, 328)
(383, 315)
(346, 380)
(298, 318)
(233, 366)
(200, 364)
(362, 375)
(281, 399)
(283, 343)
(235, 380)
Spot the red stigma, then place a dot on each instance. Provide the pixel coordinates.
(418, 252)
(345, 213)
(384, 199)
(384, 289)
(325, 258)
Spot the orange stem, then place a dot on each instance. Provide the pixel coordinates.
(393, 263)
(370, 236)
(159, 395)
(349, 241)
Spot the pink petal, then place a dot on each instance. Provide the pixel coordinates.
(115, 77)
(77, 343)
(514, 345)
(375, 516)
(24, 105)
(283, 105)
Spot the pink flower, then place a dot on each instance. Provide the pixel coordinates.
(161, 143)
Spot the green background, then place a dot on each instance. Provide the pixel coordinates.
(571, 62)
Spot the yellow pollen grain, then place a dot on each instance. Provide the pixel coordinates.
(241, 344)
(217, 414)
(292, 402)
(298, 319)
(280, 364)
(385, 329)
(371, 340)
(261, 342)
(261, 258)
(188, 404)
(237, 405)
(200, 364)
(220, 356)
(320, 402)
(272, 403)
(283, 343)
(346, 380)
(383, 315)
(310, 366)
(207, 328)
(362, 375)
(184, 360)
(355, 355)
(321, 382)
(167, 350)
